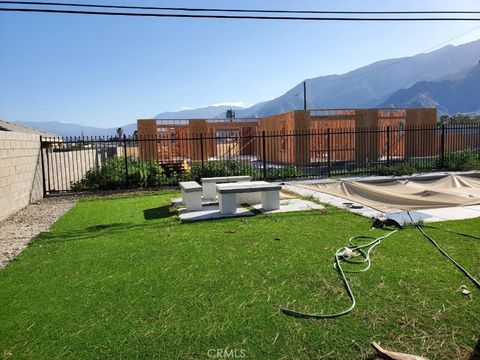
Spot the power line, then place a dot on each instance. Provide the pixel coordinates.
(238, 17)
(239, 10)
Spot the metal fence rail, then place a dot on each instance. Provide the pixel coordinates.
(101, 163)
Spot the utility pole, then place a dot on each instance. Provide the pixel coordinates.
(304, 95)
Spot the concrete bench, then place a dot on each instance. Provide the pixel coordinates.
(227, 194)
(191, 195)
(208, 184)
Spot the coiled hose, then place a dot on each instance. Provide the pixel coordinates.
(344, 255)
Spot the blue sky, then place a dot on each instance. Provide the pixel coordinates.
(109, 71)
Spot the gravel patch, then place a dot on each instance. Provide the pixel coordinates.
(18, 229)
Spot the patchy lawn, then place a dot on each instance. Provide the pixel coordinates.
(122, 278)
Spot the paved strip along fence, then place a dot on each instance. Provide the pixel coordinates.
(89, 164)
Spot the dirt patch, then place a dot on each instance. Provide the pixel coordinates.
(18, 229)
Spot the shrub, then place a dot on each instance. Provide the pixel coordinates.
(146, 174)
(285, 172)
(235, 167)
(111, 176)
(222, 168)
(397, 170)
(454, 161)
(108, 176)
(461, 161)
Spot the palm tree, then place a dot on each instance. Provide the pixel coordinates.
(119, 132)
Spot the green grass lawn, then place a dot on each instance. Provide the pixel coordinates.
(122, 278)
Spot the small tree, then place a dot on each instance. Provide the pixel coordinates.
(230, 114)
(459, 119)
(119, 132)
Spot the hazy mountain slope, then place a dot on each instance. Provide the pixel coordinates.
(460, 94)
(200, 113)
(68, 129)
(370, 85)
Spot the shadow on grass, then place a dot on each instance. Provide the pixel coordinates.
(90, 233)
(476, 351)
(161, 212)
(104, 230)
(95, 228)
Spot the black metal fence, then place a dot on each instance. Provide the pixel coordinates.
(101, 163)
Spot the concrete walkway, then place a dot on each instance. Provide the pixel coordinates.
(210, 210)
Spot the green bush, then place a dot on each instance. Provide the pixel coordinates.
(235, 167)
(148, 174)
(461, 161)
(222, 168)
(397, 170)
(285, 172)
(111, 176)
(454, 161)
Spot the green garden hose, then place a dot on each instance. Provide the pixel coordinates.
(345, 254)
(348, 253)
(452, 232)
(444, 253)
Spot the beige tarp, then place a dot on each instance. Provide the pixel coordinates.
(407, 194)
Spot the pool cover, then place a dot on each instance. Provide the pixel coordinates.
(407, 194)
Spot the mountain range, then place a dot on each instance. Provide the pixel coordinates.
(372, 85)
(69, 129)
(460, 94)
(447, 78)
(206, 112)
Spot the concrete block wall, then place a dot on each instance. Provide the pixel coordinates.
(20, 171)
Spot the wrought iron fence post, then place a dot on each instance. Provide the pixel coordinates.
(43, 167)
(477, 147)
(125, 159)
(328, 152)
(388, 145)
(264, 156)
(48, 167)
(442, 147)
(201, 151)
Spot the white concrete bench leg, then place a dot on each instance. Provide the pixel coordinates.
(209, 191)
(227, 203)
(192, 200)
(271, 200)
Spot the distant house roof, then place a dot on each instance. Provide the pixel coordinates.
(9, 126)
